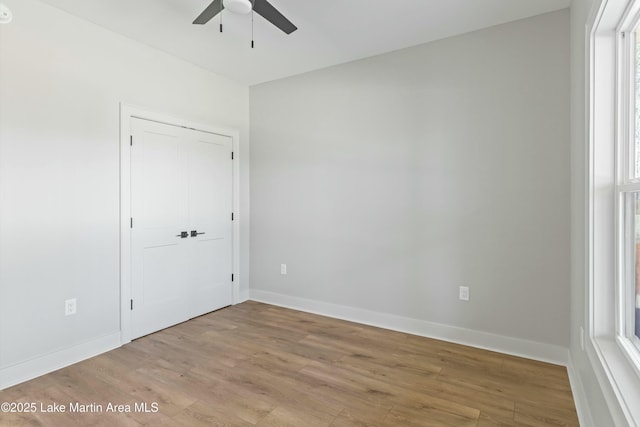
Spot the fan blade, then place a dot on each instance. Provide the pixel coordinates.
(271, 14)
(212, 10)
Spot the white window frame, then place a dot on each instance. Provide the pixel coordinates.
(627, 184)
(615, 358)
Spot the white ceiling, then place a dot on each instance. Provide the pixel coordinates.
(329, 31)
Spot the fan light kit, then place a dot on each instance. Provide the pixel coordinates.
(5, 14)
(238, 6)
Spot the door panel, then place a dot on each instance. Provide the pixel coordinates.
(210, 276)
(161, 195)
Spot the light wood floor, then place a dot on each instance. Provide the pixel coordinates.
(258, 365)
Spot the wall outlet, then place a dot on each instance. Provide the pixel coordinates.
(70, 307)
(582, 338)
(283, 269)
(464, 293)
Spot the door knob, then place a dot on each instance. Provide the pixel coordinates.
(194, 233)
(183, 235)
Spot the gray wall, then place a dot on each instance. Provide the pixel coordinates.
(61, 82)
(385, 184)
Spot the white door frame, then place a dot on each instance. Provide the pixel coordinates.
(126, 113)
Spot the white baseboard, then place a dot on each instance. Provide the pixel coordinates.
(579, 396)
(25, 371)
(503, 344)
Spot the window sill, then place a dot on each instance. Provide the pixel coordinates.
(621, 379)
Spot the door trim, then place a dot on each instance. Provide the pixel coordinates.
(127, 112)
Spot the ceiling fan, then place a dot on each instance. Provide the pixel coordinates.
(261, 7)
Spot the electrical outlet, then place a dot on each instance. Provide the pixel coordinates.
(582, 338)
(283, 269)
(70, 307)
(464, 293)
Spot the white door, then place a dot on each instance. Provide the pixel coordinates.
(180, 237)
(210, 203)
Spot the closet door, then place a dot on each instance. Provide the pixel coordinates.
(210, 207)
(180, 236)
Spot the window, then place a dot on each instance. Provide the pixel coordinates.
(628, 188)
(613, 344)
